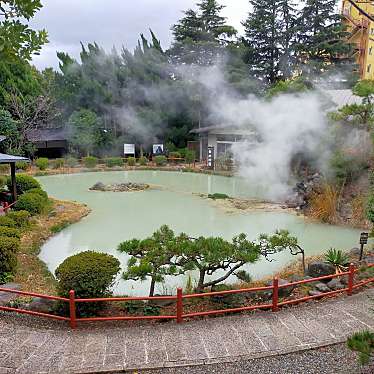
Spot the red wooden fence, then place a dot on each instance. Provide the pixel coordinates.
(179, 297)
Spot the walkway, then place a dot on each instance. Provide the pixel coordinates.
(31, 346)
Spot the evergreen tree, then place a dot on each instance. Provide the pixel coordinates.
(262, 34)
(200, 37)
(321, 43)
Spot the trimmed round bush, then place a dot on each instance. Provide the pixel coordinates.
(111, 162)
(143, 161)
(24, 183)
(8, 254)
(58, 163)
(190, 156)
(39, 192)
(21, 218)
(42, 163)
(7, 221)
(90, 161)
(160, 160)
(10, 232)
(131, 161)
(90, 274)
(31, 202)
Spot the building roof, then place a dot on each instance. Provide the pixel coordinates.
(47, 135)
(10, 159)
(218, 129)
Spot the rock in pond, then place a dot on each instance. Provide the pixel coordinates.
(119, 187)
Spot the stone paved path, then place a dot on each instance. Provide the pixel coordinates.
(29, 346)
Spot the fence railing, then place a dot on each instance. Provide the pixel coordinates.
(178, 299)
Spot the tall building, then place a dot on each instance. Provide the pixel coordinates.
(358, 16)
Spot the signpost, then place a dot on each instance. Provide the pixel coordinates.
(158, 149)
(363, 240)
(129, 149)
(211, 158)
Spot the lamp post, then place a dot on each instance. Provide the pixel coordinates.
(363, 240)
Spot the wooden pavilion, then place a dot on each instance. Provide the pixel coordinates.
(12, 160)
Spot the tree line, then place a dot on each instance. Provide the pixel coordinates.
(149, 94)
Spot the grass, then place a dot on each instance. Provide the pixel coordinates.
(32, 273)
(323, 206)
(218, 196)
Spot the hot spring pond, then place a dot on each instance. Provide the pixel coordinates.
(118, 216)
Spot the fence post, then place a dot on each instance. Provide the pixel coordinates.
(73, 317)
(179, 305)
(275, 294)
(351, 279)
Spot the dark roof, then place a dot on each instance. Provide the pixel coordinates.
(47, 135)
(7, 159)
(205, 129)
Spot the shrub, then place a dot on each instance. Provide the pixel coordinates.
(3, 181)
(24, 183)
(39, 192)
(71, 162)
(218, 196)
(363, 343)
(143, 161)
(111, 162)
(4, 169)
(160, 160)
(190, 156)
(90, 161)
(22, 165)
(90, 274)
(42, 163)
(31, 202)
(337, 258)
(10, 232)
(58, 163)
(131, 161)
(175, 155)
(7, 221)
(370, 208)
(59, 227)
(8, 254)
(20, 218)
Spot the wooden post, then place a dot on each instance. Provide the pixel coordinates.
(275, 307)
(73, 316)
(179, 305)
(351, 279)
(13, 178)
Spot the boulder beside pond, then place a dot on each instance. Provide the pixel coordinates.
(320, 269)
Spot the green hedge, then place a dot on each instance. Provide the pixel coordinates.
(7, 221)
(24, 183)
(175, 155)
(160, 160)
(90, 162)
(111, 162)
(143, 161)
(8, 254)
(71, 162)
(39, 192)
(131, 161)
(42, 163)
(20, 218)
(31, 202)
(10, 232)
(90, 274)
(22, 165)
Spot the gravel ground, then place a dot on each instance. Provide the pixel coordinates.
(335, 359)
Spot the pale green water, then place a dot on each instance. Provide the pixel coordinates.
(120, 216)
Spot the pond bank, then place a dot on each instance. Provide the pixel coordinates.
(32, 273)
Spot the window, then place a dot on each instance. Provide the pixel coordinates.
(368, 68)
(370, 50)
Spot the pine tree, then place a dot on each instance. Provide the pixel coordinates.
(321, 43)
(200, 37)
(262, 34)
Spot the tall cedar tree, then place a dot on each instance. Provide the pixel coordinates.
(321, 43)
(262, 34)
(201, 36)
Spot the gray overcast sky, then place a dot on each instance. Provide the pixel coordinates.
(114, 22)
